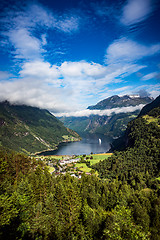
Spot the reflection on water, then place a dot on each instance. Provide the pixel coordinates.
(86, 146)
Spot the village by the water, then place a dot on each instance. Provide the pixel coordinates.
(74, 165)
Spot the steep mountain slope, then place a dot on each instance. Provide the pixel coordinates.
(113, 125)
(150, 106)
(141, 154)
(149, 113)
(30, 129)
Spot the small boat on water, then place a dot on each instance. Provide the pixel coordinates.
(100, 141)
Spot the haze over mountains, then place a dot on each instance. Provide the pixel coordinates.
(109, 116)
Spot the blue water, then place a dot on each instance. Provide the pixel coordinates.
(85, 146)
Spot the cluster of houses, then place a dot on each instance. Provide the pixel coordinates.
(66, 164)
(68, 160)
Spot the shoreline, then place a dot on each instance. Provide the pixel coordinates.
(56, 147)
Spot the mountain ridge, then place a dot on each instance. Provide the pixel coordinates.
(113, 125)
(116, 101)
(30, 129)
(125, 141)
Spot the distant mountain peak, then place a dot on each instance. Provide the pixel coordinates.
(116, 101)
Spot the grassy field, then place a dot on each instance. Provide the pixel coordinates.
(98, 157)
(51, 169)
(57, 157)
(82, 167)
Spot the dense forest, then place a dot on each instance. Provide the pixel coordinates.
(141, 157)
(38, 205)
(123, 203)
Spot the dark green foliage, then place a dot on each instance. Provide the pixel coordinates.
(146, 109)
(142, 155)
(152, 109)
(39, 206)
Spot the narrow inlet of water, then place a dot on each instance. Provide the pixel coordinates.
(94, 144)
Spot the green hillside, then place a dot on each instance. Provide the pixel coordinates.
(142, 151)
(150, 106)
(29, 129)
(148, 112)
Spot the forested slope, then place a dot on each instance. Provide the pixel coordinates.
(142, 155)
(30, 129)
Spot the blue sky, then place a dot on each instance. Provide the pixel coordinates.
(65, 55)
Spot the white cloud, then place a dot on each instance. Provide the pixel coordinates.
(20, 28)
(136, 11)
(127, 50)
(44, 39)
(26, 46)
(83, 77)
(107, 112)
(68, 24)
(79, 69)
(155, 93)
(68, 86)
(149, 76)
(37, 15)
(127, 90)
(121, 89)
(32, 92)
(40, 70)
(154, 89)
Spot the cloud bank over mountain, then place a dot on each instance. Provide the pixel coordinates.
(107, 112)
